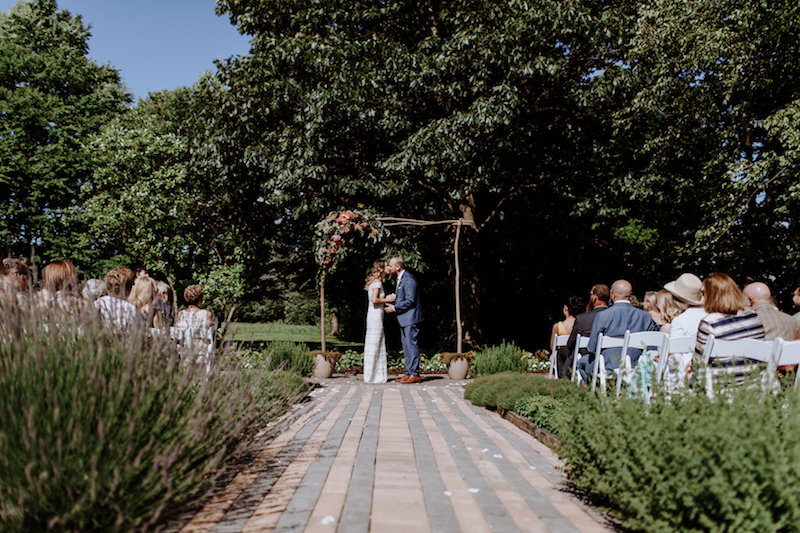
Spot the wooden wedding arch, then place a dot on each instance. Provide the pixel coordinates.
(374, 227)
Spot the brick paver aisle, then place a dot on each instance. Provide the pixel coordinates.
(397, 458)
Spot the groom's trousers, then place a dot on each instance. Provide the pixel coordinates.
(408, 337)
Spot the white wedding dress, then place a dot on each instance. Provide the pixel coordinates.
(375, 340)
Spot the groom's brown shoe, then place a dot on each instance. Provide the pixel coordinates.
(412, 379)
(401, 379)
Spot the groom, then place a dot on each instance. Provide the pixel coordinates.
(409, 313)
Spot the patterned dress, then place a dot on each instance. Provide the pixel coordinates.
(375, 340)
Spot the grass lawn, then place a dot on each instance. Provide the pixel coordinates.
(276, 331)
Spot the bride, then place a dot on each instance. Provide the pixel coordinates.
(375, 340)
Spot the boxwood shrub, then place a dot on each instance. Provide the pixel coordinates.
(503, 390)
(689, 464)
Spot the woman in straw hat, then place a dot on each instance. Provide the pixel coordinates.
(688, 290)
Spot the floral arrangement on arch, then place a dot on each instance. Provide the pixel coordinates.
(334, 232)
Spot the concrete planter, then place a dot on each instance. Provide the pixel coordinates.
(323, 369)
(458, 368)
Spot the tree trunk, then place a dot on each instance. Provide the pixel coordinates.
(470, 281)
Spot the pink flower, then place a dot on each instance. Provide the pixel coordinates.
(337, 238)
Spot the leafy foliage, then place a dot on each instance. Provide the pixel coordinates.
(689, 465)
(505, 389)
(51, 97)
(506, 357)
(541, 410)
(351, 358)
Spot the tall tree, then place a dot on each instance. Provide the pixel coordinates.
(704, 84)
(434, 110)
(51, 97)
(147, 201)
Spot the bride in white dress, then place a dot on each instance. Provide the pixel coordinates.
(375, 339)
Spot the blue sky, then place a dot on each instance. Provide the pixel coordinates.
(155, 44)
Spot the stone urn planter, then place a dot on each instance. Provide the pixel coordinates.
(324, 363)
(457, 364)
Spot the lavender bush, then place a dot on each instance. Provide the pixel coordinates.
(104, 431)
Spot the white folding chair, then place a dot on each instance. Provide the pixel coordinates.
(558, 342)
(639, 340)
(739, 358)
(789, 355)
(580, 342)
(600, 361)
(676, 346)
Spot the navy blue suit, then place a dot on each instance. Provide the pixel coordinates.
(613, 322)
(408, 309)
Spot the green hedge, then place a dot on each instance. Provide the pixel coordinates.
(503, 358)
(101, 431)
(690, 465)
(505, 389)
(542, 410)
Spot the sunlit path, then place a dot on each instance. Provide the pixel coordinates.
(402, 458)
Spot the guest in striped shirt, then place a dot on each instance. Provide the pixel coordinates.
(727, 318)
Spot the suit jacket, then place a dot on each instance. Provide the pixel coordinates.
(407, 306)
(583, 326)
(614, 322)
(776, 324)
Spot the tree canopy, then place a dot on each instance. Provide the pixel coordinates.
(51, 97)
(580, 140)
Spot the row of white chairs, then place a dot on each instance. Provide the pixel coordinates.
(778, 353)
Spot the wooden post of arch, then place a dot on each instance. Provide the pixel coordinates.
(459, 333)
(322, 308)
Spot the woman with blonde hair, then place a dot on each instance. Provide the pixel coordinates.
(142, 296)
(668, 308)
(375, 340)
(650, 304)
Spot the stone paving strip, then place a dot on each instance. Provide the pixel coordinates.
(364, 458)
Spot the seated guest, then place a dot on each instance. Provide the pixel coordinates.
(614, 322)
(14, 281)
(727, 317)
(651, 306)
(59, 287)
(163, 318)
(193, 314)
(668, 308)
(93, 289)
(196, 324)
(688, 291)
(143, 296)
(570, 310)
(598, 301)
(114, 307)
(776, 323)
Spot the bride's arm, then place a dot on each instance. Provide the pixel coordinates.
(376, 299)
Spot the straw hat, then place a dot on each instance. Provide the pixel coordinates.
(688, 288)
